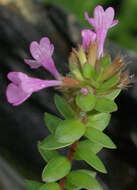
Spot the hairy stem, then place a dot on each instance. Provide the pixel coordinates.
(70, 158)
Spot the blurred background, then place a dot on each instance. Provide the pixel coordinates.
(22, 21)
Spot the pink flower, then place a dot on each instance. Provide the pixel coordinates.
(22, 86)
(42, 54)
(88, 36)
(102, 21)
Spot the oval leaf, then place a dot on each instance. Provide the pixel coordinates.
(86, 153)
(50, 186)
(63, 107)
(47, 154)
(56, 169)
(113, 94)
(50, 143)
(51, 121)
(32, 185)
(82, 180)
(86, 102)
(69, 131)
(89, 146)
(98, 121)
(99, 137)
(105, 105)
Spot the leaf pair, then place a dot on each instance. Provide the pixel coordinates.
(89, 102)
(80, 179)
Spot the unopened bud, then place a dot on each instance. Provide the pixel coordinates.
(81, 55)
(116, 66)
(74, 66)
(92, 53)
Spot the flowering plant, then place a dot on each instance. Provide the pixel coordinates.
(89, 91)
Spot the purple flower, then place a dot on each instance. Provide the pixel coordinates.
(88, 36)
(22, 86)
(102, 21)
(42, 54)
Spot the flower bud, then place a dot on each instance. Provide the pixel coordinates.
(81, 55)
(116, 66)
(92, 53)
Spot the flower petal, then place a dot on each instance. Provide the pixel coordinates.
(90, 20)
(16, 95)
(88, 36)
(23, 86)
(108, 17)
(50, 66)
(115, 22)
(35, 50)
(46, 47)
(98, 17)
(32, 63)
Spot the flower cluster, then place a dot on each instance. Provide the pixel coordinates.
(91, 52)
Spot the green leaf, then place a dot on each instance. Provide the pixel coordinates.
(86, 102)
(69, 131)
(105, 61)
(105, 105)
(89, 71)
(109, 83)
(47, 154)
(51, 121)
(87, 154)
(89, 146)
(88, 172)
(32, 185)
(99, 137)
(50, 186)
(98, 121)
(63, 107)
(56, 169)
(50, 143)
(83, 180)
(70, 186)
(113, 94)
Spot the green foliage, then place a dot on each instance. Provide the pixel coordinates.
(56, 169)
(51, 143)
(66, 132)
(89, 71)
(105, 61)
(98, 120)
(69, 131)
(32, 185)
(113, 94)
(87, 154)
(86, 102)
(109, 83)
(50, 186)
(99, 137)
(105, 105)
(51, 122)
(79, 179)
(64, 108)
(47, 154)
